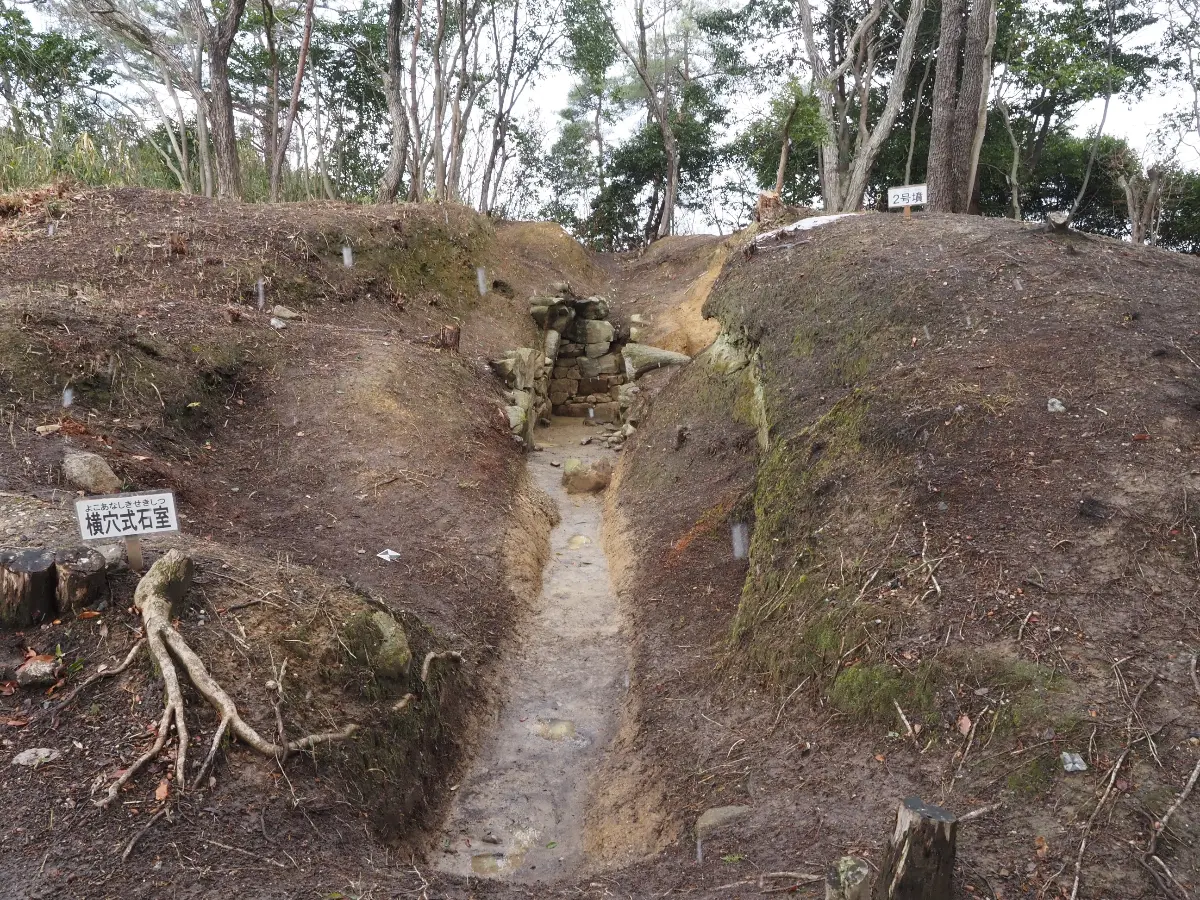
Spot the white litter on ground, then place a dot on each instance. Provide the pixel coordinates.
(803, 225)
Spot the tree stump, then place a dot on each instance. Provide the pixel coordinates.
(1058, 222)
(848, 879)
(26, 587)
(81, 579)
(919, 861)
(450, 337)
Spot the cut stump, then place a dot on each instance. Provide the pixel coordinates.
(26, 587)
(81, 578)
(919, 861)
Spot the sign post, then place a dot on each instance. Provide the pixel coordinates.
(127, 517)
(908, 196)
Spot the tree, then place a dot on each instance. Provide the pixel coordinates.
(159, 34)
(960, 102)
(853, 42)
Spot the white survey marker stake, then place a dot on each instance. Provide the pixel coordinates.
(908, 195)
(127, 517)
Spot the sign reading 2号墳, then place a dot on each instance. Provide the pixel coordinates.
(124, 516)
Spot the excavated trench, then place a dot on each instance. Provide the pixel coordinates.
(519, 813)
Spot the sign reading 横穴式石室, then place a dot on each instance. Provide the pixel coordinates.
(909, 195)
(126, 515)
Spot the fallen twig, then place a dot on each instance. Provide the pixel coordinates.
(977, 813)
(907, 726)
(1112, 778)
(787, 700)
(137, 837)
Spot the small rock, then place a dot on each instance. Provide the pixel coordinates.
(114, 554)
(35, 756)
(490, 838)
(1073, 762)
(718, 817)
(585, 442)
(37, 672)
(1055, 405)
(48, 429)
(89, 472)
(556, 464)
(282, 312)
(585, 478)
(278, 324)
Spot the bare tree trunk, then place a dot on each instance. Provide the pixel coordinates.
(916, 120)
(940, 168)
(866, 152)
(393, 90)
(224, 128)
(785, 144)
(1087, 173)
(1014, 171)
(1142, 204)
(202, 138)
(271, 123)
(416, 185)
(970, 120)
(285, 138)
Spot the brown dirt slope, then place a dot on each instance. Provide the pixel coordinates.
(926, 533)
(296, 456)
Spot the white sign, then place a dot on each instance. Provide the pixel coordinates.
(126, 515)
(908, 195)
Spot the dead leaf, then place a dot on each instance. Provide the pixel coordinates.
(89, 614)
(879, 757)
(8, 688)
(1042, 847)
(16, 723)
(964, 724)
(160, 792)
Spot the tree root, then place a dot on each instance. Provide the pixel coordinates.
(102, 672)
(157, 593)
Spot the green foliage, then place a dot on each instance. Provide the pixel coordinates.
(759, 145)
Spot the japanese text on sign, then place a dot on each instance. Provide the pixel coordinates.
(126, 515)
(909, 195)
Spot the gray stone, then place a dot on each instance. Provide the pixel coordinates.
(586, 478)
(592, 308)
(718, 817)
(641, 358)
(35, 756)
(517, 417)
(609, 364)
(37, 672)
(89, 472)
(550, 347)
(277, 323)
(568, 349)
(727, 355)
(282, 312)
(595, 351)
(1055, 405)
(591, 331)
(518, 368)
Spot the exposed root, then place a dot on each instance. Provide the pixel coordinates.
(157, 593)
(431, 656)
(137, 837)
(102, 672)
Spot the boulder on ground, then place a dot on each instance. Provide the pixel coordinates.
(283, 312)
(586, 478)
(518, 368)
(89, 472)
(713, 819)
(37, 671)
(376, 640)
(641, 358)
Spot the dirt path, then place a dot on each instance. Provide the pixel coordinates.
(519, 814)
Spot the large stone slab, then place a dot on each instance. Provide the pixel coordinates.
(641, 358)
(89, 472)
(590, 331)
(609, 364)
